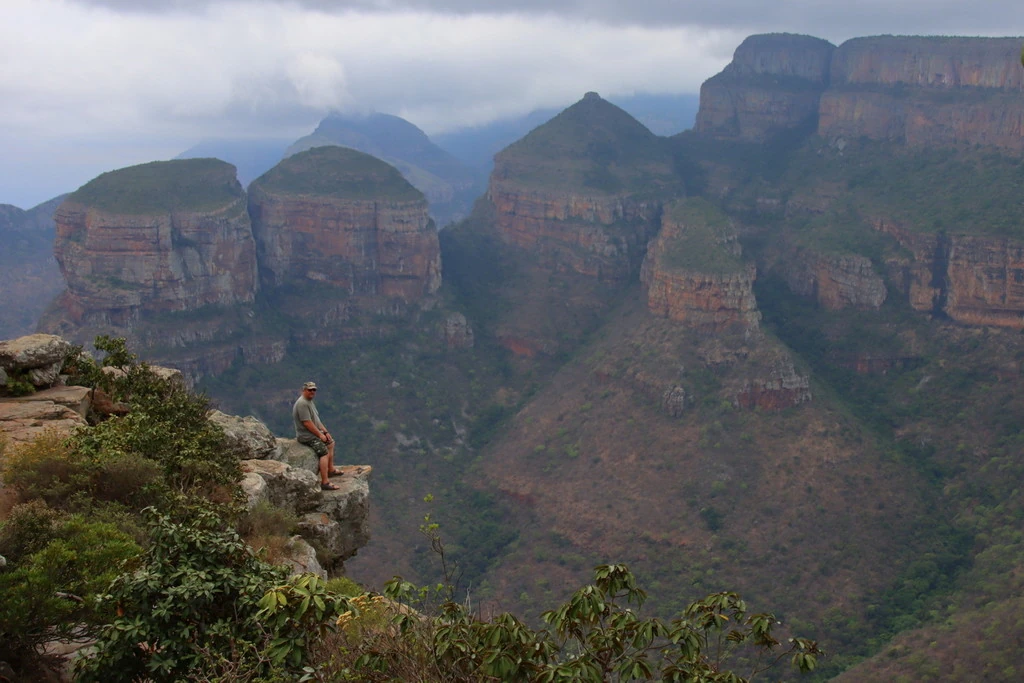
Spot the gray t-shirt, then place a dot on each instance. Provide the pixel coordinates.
(305, 410)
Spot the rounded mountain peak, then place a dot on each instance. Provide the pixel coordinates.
(338, 172)
(162, 186)
(591, 145)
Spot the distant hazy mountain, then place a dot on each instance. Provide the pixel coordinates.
(29, 277)
(252, 157)
(661, 114)
(449, 184)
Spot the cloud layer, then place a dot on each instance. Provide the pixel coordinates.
(142, 78)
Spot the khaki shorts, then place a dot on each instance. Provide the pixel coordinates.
(318, 446)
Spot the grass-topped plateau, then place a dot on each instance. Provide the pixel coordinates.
(337, 172)
(592, 146)
(702, 243)
(163, 186)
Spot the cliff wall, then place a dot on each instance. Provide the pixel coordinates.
(116, 265)
(693, 273)
(773, 83)
(974, 280)
(364, 247)
(836, 281)
(598, 236)
(917, 90)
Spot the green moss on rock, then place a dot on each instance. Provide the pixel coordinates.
(592, 146)
(162, 186)
(338, 172)
(705, 243)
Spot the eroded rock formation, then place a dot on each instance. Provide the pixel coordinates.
(927, 91)
(693, 272)
(336, 216)
(917, 90)
(582, 193)
(976, 280)
(836, 281)
(167, 236)
(773, 83)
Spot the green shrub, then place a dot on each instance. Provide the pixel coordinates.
(266, 519)
(191, 605)
(51, 591)
(48, 469)
(344, 586)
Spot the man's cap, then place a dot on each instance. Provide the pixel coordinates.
(309, 385)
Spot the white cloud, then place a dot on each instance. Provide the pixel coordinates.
(166, 73)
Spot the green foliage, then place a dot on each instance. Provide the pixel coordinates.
(58, 567)
(334, 171)
(192, 603)
(163, 186)
(296, 613)
(166, 424)
(703, 245)
(597, 635)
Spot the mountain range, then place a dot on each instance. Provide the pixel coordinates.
(779, 353)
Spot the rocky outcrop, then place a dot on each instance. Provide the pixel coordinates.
(913, 90)
(773, 83)
(334, 520)
(927, 91)
(161, 237)
(780, 388)
(693, 272)
(35, 358)
(974, 280)
(835, 281)
(582, 193)
(339, 217)
(457, 332)
(246, 437)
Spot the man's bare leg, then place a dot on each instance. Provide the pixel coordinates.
(325, 466)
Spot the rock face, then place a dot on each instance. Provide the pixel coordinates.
(782, 388)
(161, 237)
(693, 273)
(836, 281)
(773, 83)
(335, 520)
(927, 91)
(337, 216)
(581, 194)
(917, 90)
(972, 279)
(247, 437)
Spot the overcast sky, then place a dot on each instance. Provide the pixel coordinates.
(91, 85)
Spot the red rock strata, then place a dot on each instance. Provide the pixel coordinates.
(368, 247)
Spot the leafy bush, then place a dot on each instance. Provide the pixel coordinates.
(595, 636)
(59, 567)
(47, 469)
(191, 605)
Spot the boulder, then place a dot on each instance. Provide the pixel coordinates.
(247, 437)
(3, 377)
(169, 374)
(295, 454)
(45, 376)
(287, 487)
(78, 399)
(22, 421)
(349, 508)
(33, 351)
(255, 489)
(301, 557)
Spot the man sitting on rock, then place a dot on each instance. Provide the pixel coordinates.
(310, 431)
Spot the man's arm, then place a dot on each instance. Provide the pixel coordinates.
(320, 432)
